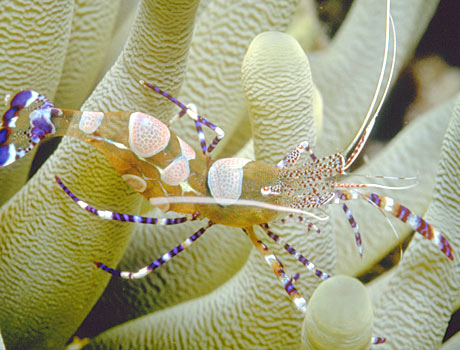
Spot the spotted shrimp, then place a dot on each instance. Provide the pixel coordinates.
(237, 192)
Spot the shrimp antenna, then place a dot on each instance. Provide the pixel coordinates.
(243, 202)
(349, 185)
(404, 178)
(361, 137)
(385, 187)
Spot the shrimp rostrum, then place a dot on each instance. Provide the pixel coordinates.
(237, 192)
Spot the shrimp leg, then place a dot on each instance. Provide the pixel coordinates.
(157, 263)
(111, 215)
(291, 250)
(402, 213)
(198, 119)
(278, 269)
(293, 156)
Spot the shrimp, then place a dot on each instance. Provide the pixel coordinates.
(237, 192)
(159, 164)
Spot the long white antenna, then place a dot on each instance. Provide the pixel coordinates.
(239, 202)
(361, 137)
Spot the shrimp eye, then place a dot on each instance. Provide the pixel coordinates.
(265, 190)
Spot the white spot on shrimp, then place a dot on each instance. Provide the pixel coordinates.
(176, 172)
(166, 257)
(33, 97)
(413, 220)
(90, 121)
(125, 274)
(389, 204)
(225, 179)
(187, 151)
(12, 123)
(82, 204)
(147, 135)
(105, 214)
(187, 243)
(141, 273)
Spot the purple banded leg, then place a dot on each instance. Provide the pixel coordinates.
(416, 222)
(201, 137)
(110, 215)
(278, 269)
(293, 156)
(179, 115)
(157, 263)
(378, 340)
(355, 227)
(302, 220)
(291, 250)
(341, 196)
(192, 113)
(402, 213)
(219, 132)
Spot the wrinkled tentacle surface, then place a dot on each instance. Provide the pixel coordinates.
(83, 241)
(37, 233)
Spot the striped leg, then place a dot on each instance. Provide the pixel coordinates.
(340, 197)
(278, 269)
(291, 250)
(293, 156)
(157, 263)
(355, 227)
(191, 112)
(111, 215)
(405, 215)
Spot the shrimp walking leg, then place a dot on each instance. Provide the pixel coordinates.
(111, 215)
(402, 213)
(340, 198)
(191, 112)
(293, 156)
(158, 262)
(278, 269)
(291, 250)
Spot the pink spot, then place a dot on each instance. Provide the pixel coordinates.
(147, 135)
(90, 121)
(187, 150)
(176, 172)
(225, 179)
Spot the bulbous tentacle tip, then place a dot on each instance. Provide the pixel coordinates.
(339, 316)
(20, 134)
